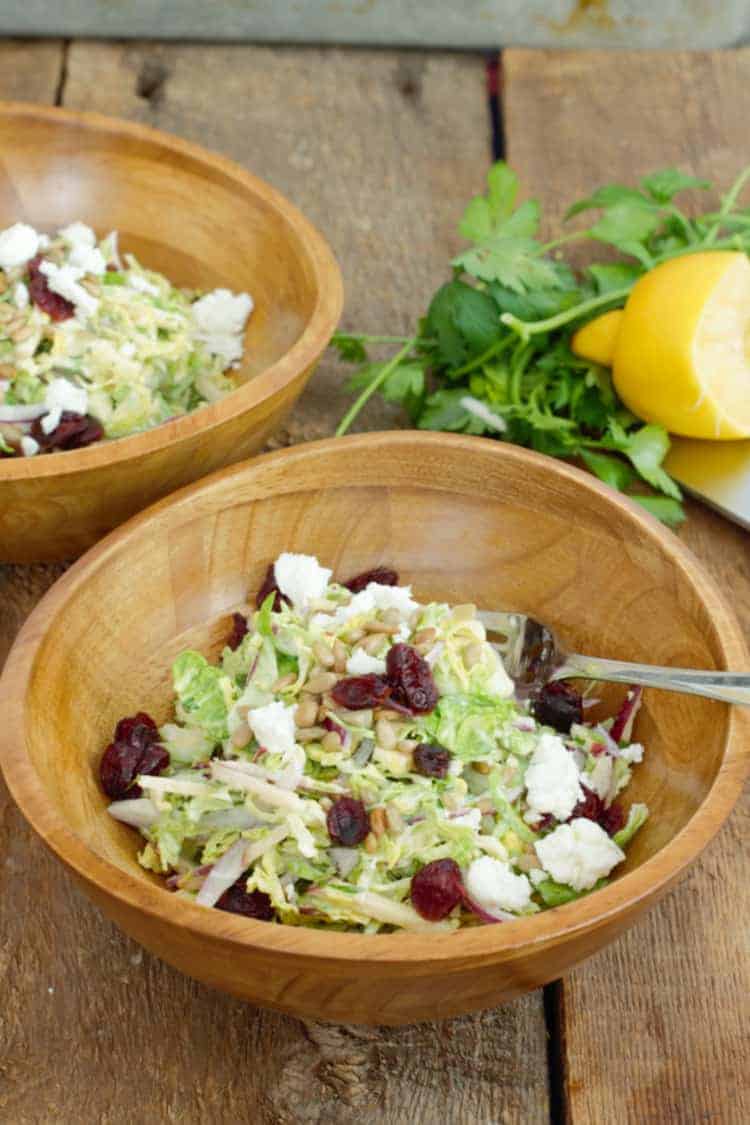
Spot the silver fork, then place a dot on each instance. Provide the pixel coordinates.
(532, 655)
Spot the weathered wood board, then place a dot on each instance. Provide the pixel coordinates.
(656, 1027)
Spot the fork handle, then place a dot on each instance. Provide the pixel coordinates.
(731, 687)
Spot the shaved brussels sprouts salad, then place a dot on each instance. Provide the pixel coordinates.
(359, 761)
(93, 345)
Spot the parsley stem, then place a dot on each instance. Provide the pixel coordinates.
(480, 360)
(371, 387)
(572, 236)
(528, 328)
(727, 204)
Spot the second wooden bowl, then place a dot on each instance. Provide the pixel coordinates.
(462, 519)
(204, 222)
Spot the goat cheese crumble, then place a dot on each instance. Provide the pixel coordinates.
(301, 578)
(579, 854)
(273, 727)
(552, 779)
(495, 886)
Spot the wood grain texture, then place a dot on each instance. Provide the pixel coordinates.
(30, 70)
(657, 1024)
(409, 499)
(59, 165)
(199, 1055)
(380, 149)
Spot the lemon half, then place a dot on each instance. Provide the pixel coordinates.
(681, 352)
(596, 340)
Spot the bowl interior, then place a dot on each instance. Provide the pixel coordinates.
(178, 213)
(461, 520)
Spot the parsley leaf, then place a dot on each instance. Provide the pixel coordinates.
(514, 262)
(405, 381)
(615, 275)
(665, 184)
(464, 321)
(611, 195)
(626, 225)
(647, 448)
(350, 348)
(612, 470)
(443, 411)
(668, 511)
(484, 215)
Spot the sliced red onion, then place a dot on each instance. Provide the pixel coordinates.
(22, 412)
(622, 728)
(524, 722)
(604, 736)
(139, 812)
(223, 874)
(483, 913)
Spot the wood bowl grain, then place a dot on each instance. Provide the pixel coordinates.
(461, 518)
(204, 222)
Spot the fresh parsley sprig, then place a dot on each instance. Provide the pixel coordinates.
(492, 355)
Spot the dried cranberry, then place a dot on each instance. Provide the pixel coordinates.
(239, 631)
(134, 751)
(348, 822)
(383, 575)
(411, 679)
(154, 759)
(251, 904)
(436, 889)
(431, 760)
(358, 692)
(613, 818)
(73, 431)
(56, 307)
(118, 769)
(558, 706)
(269, 586)
(139, 729)
(590, 806)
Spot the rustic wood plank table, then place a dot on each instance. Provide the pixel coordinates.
(381, 150)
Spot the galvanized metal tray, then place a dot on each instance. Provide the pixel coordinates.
(433, 23)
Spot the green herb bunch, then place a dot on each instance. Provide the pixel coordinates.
(492, 355)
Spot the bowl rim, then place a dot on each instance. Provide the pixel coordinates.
(313, 339)
(456, 950)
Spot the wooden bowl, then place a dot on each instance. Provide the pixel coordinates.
(204, 222)
(461, 518)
